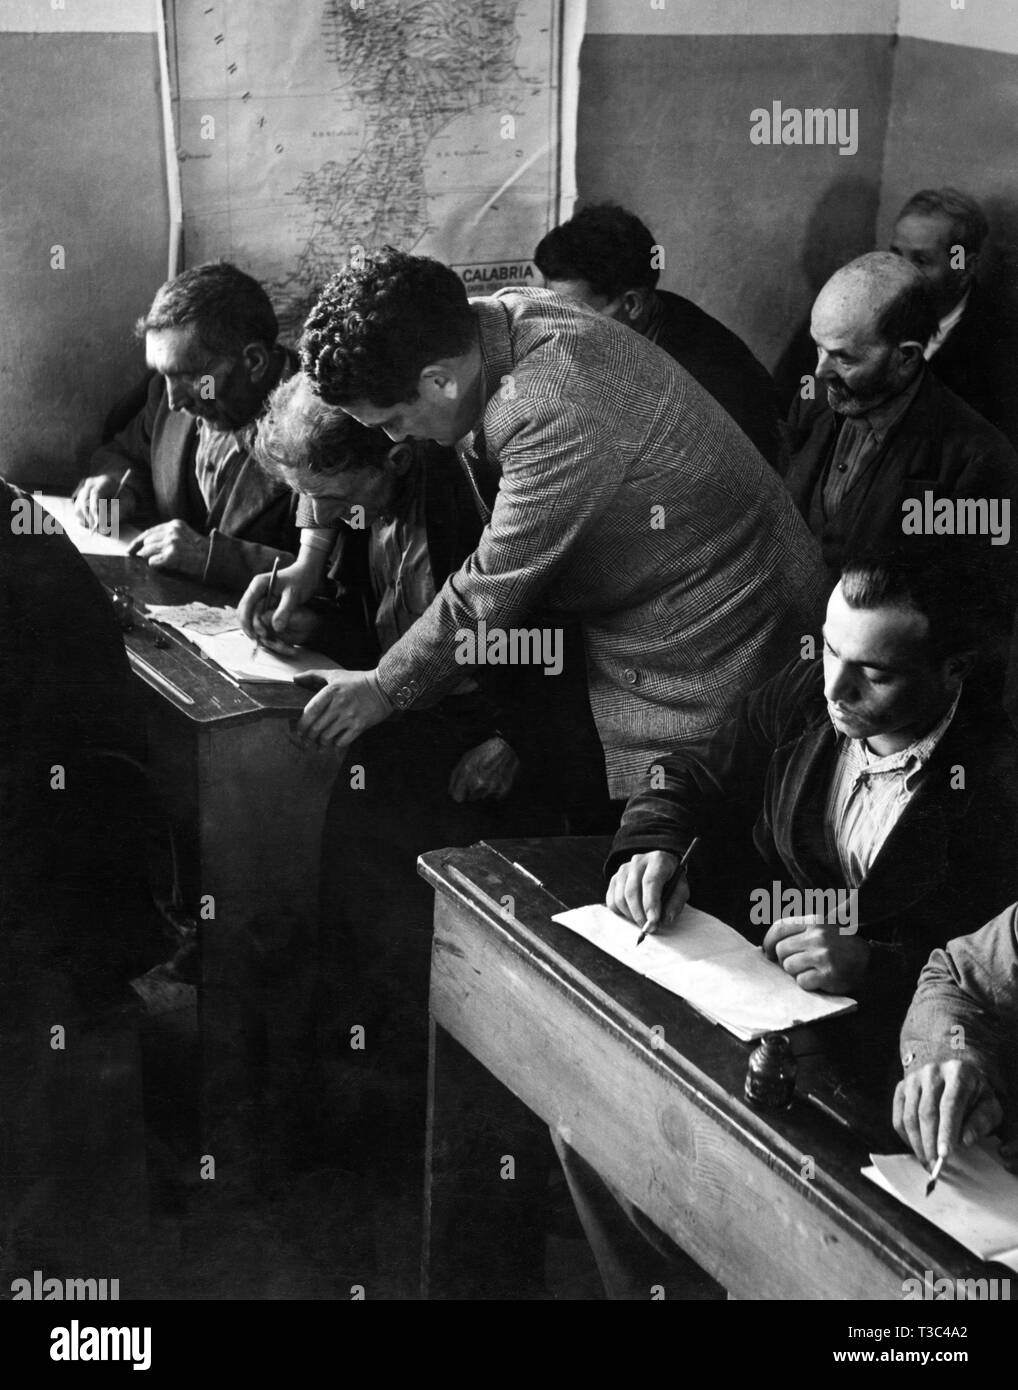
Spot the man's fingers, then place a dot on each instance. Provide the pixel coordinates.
(782, 930)
(656, 879)
(928, 1115)
(955, 1101)
(615, 898)
(898, 1111)
(909, 1129)
(634, 897)
(983, 1118)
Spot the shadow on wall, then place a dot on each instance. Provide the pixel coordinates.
(840, 227)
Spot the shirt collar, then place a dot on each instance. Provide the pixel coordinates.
(947, 323)
(908, 760)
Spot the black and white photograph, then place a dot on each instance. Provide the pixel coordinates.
(509, 668)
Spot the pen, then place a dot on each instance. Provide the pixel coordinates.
(269, 594)
(935, 1174)
(678, 873)
(93, 522)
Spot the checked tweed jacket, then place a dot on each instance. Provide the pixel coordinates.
(622, 494)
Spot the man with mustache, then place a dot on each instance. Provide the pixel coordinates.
(183, 466)
(877, 427)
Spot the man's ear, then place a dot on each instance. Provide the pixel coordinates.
(439, 379)
(634, 302)
(398, 460)
(911, 352)
(256, 358)
(958, 666)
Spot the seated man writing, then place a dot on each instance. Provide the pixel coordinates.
(473, 764)
(884, 773)
(183, 464)
(959, 1046)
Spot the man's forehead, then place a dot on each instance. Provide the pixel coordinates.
(926, 230)
(175, 349)
(370, 415)
(886, 635)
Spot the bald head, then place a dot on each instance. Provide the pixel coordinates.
(871, 322)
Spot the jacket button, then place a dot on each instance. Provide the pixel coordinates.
(630, 676)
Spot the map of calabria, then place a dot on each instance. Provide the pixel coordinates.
(306, 130)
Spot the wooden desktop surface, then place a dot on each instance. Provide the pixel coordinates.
(650, 1093)
(245, 803)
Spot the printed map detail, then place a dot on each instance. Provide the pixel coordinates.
(307, 129)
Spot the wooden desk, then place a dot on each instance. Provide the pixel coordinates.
(522, 1008)
(246, 805)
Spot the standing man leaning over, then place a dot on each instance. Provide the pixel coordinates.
(614, 488)
(606, 258)
(210, 339)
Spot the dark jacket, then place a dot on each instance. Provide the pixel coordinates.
(723, 365)
(977, 363)
(757, 793)
(939, 445)
(73, 896)
(250, 522)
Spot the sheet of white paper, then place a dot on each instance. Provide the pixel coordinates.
(975, 1199)
(234, 651)
(87, 542)
(712, 967)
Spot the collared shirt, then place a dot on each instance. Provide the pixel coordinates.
(946, 324)
(868, 795)
(218, 457)
(860, 439)
(400, 568)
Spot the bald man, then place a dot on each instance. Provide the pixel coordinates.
(876, 440)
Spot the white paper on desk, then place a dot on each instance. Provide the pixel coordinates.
(87, 542)
(975, 1199)
(712, 967)
(235, 653)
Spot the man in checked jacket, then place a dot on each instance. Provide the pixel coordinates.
(614, 490)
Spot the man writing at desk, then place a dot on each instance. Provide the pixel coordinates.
(614, 489)
(959, 1046)
(184, 462)
(884, 769)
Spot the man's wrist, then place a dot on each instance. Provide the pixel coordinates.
(385, 705)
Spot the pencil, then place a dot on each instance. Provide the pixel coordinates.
(935, 1174)
(649, 931)
(269, 595)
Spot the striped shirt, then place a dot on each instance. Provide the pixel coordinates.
(868, 794)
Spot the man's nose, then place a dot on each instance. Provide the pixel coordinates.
(825, 367)
(838, 682)
(395, 433)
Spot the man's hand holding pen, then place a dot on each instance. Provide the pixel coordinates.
(649, 889)
(275, 615)
(945, 1104)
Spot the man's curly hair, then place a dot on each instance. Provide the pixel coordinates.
(377, 325)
